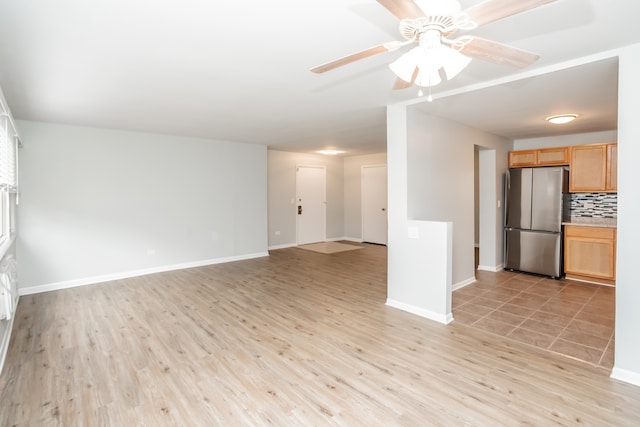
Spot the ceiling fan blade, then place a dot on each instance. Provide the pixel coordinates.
(493, 10)
(498, 53)
(402, 9)
(350, 58)
(401, 84)
(375, 50)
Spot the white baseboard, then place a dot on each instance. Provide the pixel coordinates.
(4, 345)
(352, 239)
(626, 376)
(463, 283)
(428, 314)
(28, 290)
(495, 269)
(349, 239)
(285, 246)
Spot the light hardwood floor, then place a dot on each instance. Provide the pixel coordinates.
(294, 339)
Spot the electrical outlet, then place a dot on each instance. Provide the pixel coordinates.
(277, 233)
(151, 252)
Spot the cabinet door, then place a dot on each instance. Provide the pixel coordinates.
(612, 167)
(590, 252)
(553, 156)
(588, 168)
(523, 158)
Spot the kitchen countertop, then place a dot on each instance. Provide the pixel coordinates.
(592, 222)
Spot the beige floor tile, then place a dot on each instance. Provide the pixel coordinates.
(597, 319)
(575, 318)
(531, 337)
(486, 302)
(466, 317)
(508, 318)
(578, 351)
(542, 327)
(551, 318)
(602, 331)
(585, 339)
(563, 308)
(494, 326)
(516, 309)
(478, 310)
(529, 300)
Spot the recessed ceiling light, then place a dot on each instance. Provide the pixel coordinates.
(561, 119)
(330, 152)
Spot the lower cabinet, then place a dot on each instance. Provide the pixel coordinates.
(590, 253)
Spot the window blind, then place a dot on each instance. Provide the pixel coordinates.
(8, 155)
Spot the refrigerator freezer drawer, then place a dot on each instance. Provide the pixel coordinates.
(534, 252)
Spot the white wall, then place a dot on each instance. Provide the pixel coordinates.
(441, 183)
(282, 193)
(98, 204)
(353, 192)
(431, 207)
(627, 352)
(565, 140)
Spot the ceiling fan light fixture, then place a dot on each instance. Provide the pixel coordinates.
(453, 62)
(427, 78)
(561, 119)
(405, 66)
(429, 60)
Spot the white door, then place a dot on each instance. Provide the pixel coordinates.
(310, 204)
(374, 204)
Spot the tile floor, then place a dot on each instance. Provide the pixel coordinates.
(568, 317)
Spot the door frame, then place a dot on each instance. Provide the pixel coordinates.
(324, 196)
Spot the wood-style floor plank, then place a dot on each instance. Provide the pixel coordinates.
(296, 338)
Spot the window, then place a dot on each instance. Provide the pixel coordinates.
(8, 177)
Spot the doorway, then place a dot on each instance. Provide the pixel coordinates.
(374, 204)
(310, 204)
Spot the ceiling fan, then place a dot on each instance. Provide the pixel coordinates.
(431, 24)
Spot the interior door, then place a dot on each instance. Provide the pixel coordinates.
(310, 204)
(374, 204)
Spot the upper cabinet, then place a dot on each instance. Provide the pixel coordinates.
(541, 157)
(612, 167)
(594, 168)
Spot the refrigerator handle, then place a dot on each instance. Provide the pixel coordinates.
(507, 185)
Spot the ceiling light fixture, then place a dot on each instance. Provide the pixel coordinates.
(561, 119)
(428, 63)
(330, 152)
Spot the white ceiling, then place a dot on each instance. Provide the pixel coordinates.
(239, 71)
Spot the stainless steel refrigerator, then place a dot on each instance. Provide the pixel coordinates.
(536, 204)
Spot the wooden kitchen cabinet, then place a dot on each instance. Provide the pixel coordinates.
(553, 156)
(541, 157)
(523, 158)
(590, 253)
(612, 168)
(593, 168)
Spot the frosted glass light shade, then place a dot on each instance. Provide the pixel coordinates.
(453, 61)
(429, 62)
(428, 78)
(405, 66)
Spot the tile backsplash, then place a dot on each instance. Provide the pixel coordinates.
(594, 205)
